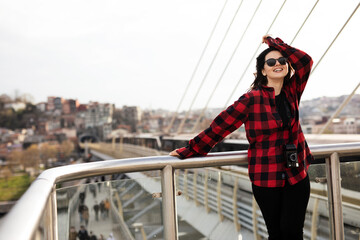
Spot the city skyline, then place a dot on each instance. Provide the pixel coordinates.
(143, 53)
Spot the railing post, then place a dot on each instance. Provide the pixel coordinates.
(334, 196)
(51, 216)
(235, 209)
(195, 187)
(206, 191)
(219, 208)
(168, 203)
(255, 221)
(186, 184)
(314, 219)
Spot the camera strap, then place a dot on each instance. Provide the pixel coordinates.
(288, 114)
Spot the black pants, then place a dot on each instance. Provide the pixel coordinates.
(284, 209)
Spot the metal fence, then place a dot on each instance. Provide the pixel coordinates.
(36, 211)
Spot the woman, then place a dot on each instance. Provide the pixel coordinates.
(278, 155)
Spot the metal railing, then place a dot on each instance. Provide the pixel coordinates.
(40, 198)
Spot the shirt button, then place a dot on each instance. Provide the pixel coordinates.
(283, 175)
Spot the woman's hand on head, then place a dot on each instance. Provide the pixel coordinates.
(174, 153)
(264, 38)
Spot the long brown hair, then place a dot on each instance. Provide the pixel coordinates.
(260, 79)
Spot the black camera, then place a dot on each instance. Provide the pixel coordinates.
(290, 155)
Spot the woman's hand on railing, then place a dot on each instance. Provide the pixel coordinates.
(174, 153)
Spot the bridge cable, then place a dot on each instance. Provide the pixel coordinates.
(250, 62)
(338, 111)
(352, 14)
(304, 22)
(195, 70)
(347, 100)
(208, 70)
(198, 120)
(227, 65)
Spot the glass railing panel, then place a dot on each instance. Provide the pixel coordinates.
(200, 195)
(350, 190)
(192, 202)
(124, 208)
(43, 231)
(317, 221)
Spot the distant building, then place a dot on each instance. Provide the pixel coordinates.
(98, 114)
(70, 106)
(51, 104)
(68, 121)
(58, 103)
(345, 125)
(42, 107)
(15, 105)
(53, 124)
(132, 116)
(98, 118)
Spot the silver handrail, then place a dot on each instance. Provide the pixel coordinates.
(29, 209)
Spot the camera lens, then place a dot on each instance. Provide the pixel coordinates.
(292, 157)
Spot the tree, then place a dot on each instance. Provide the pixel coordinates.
(67, 147)
(32, 157)
(47, 151)
(15, 158)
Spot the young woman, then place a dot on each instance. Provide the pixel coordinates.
(278, 155)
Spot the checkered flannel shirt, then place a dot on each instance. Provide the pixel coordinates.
(264, 127)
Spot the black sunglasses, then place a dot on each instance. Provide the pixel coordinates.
(272, 61)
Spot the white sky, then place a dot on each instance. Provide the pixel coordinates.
(143, 52)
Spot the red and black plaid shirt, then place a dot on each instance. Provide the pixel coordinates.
(264, 127)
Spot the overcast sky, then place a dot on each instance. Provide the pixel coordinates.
(143, 52)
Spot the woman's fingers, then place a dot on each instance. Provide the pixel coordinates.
(174, 153)
(264, 38)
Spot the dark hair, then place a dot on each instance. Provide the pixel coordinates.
(260, 79)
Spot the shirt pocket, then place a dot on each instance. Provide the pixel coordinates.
(262, 124)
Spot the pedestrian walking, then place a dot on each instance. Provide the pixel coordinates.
(85, 215)
(72, 233)
(80, 211)
(111, 237)
(83, 234)
(82, 197)
(96, 208)
(102, 209)
(92, 236)
(107, 207)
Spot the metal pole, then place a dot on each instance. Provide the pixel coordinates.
(219, 207)
(54, 213)
(334, 196)
(206, 191)
(235, 208)
(314, 220)
(254, 219)
(168, 203)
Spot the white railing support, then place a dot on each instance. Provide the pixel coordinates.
(168, 203)
(334, 196)
(29, 210)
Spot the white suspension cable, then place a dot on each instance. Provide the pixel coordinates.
(352, 14)
(340, 108)
(250, 62)
(304, 22)
(208, 70)
(195, 70)
(347, 100)
(227, 65)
